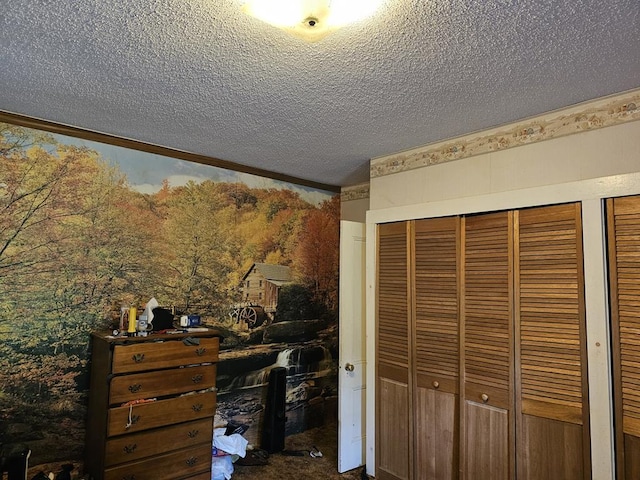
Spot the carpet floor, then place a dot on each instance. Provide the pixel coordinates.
(279, 466)
(287, 467)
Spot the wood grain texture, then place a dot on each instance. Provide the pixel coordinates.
(487, 378)
(494, 348)
(139, 357)
(127, 448)
(436, 347)
(554, 450)
(551, 376)
(623, 234)
(631, 448)
(161, 413)
(486, 442)
(487, 302)
(393, 399)
(175, 465)
(392, 456)
(392, 298)
(551, 359)
(161, 383)
(149, 440)
(436, 322)
(550, 289)
(436, 416)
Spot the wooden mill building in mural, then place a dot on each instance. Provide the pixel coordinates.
(261, 285)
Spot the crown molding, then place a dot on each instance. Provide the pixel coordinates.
(70, 131)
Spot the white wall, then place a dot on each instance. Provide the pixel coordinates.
(584, 167)
(354, 210)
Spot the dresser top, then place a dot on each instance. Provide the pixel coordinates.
(177, 334)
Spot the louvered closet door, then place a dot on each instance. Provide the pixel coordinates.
(552, 395)
(436, 348)
(393, 428)
(623, 224)
(487, 350)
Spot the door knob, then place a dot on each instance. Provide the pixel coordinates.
(349, 367)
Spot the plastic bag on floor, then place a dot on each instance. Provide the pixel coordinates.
(234, 444)
(221, 468)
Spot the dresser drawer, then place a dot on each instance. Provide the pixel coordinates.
(132, 447)
(202, 476)
(160, 413)
(179, 464)
(161, 383)
(157, 355)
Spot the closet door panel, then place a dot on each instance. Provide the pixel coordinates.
(623, 228)
(487, 347)
(393, 425)
(436, 442)
(487, 442)
(550, 344)
(566, 462)
(436, 347)
(631, 457)
(393, 452)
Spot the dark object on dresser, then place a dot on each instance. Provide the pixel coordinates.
(162, 319)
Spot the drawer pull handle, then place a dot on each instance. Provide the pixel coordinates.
(200, 351)
(193, 433)
(191, 461)
(197, 407)
(197, 378)
(484, 397)
(436, 384)
(130, 448)
(135, 388)
(138, 357)
(133, 419)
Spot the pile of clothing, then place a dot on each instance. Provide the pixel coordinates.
(230, 447)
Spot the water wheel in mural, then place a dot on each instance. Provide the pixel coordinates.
(252, 315)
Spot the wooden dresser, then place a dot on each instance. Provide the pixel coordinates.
(151, 406)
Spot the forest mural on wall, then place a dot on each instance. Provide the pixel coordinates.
(86, 228)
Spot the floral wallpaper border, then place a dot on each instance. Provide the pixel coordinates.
(355, 192)
(622, 109)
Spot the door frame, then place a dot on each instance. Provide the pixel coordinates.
(591, 193)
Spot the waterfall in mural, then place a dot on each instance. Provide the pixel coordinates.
(311, 380)
(301, 363)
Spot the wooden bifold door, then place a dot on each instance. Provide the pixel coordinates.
(623, 228)
(481, 354)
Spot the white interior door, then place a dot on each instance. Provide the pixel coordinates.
(352, 361)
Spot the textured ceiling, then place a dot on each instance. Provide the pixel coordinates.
(200, 76)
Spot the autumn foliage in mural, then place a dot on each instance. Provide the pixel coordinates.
(77, 242)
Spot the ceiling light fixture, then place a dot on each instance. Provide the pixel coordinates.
(311, 20)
